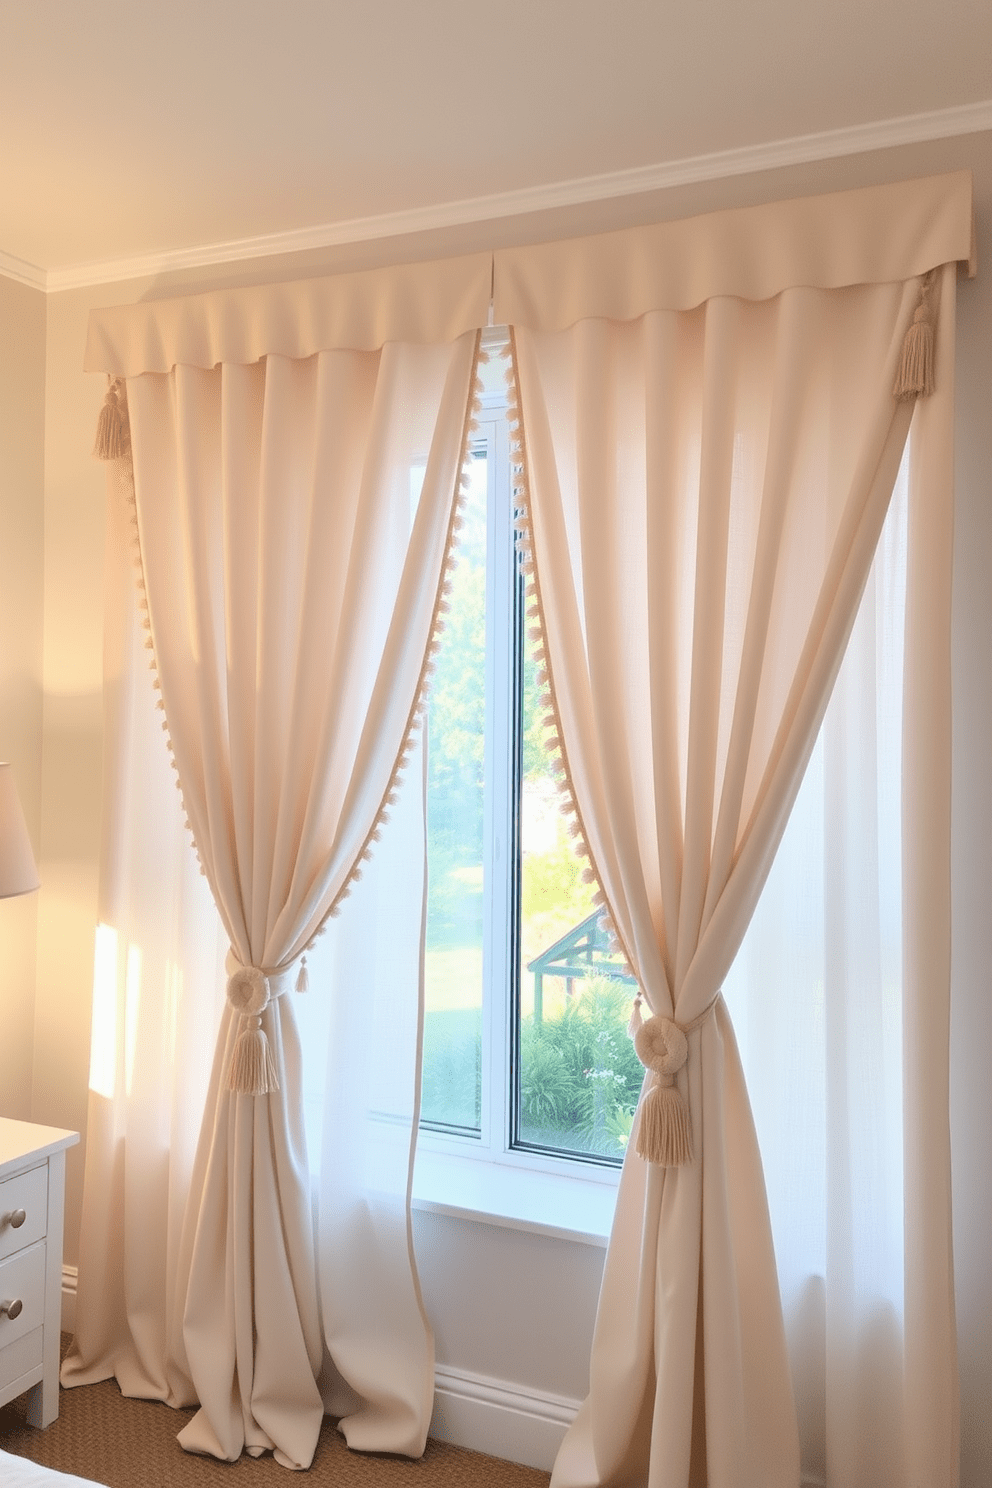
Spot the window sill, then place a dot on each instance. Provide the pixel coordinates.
(563, 1205)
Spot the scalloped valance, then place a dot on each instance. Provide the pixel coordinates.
(878, 234)
(419, 303)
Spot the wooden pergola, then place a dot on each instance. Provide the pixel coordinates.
(583, 951)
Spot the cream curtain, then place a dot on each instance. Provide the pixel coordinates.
(711, 440)
(817, 999)
(292, 585)
(706, 468)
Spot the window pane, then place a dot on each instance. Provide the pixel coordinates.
(456, 742)
(579, 1077)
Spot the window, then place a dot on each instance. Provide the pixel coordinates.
(525, 1043)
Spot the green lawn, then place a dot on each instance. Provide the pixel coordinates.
(452, 1067)
(453, 977)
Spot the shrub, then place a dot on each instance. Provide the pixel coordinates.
(579, 1076)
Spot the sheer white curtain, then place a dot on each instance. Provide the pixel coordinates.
(705, 481)
(816, 995)
(370, 1060)
(158, 995)
(292, 587)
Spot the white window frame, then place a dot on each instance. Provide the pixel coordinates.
(483, 1176)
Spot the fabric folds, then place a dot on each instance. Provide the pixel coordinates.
(878, 235)
(708, 436)
(423, 303)
(291, 583)
(705, 489)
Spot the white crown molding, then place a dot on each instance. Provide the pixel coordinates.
(23, 272)
(857, 139)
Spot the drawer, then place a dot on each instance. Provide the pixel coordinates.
(22, 1276)
(18, 1359)
(27, 1191)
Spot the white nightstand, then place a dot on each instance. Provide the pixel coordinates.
(32, 1198)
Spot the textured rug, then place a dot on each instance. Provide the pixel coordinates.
(132, 1444)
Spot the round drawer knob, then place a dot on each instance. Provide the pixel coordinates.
(17, 1218)
(12, 1309)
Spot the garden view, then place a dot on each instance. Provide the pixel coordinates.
(579, 1077)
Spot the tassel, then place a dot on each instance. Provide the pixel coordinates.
(636, 1021)
(253, 1070)
(303, 980)
(113, 433)
(663, 1134)
(914, 376)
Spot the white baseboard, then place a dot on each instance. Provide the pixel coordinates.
(498, 1418)
(70, 1275)
(509, 1421)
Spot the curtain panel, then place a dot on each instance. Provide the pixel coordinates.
(710, 421)
(292, 587)
(708, 431)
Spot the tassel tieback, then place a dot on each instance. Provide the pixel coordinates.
(664, 1135)
(249, 992)
(664, 1131)
(113, 429)
(253, 1070)
(914, 375)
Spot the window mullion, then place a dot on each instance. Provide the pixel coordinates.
(500, 835)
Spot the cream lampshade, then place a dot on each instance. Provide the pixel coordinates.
(18, 874)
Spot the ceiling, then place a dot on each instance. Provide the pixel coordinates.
(134, 128)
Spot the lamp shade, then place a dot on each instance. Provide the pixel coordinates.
(18, 874)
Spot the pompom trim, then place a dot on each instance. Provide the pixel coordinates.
(442, 606)
(537, 630)
(122, 458)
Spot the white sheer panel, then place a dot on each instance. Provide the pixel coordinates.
(158, 994)
(816, 998)
(366, 1074)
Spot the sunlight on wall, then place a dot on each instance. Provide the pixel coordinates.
(173, 1000)
(103, 1039)
(132, 1000)
(108, 1041)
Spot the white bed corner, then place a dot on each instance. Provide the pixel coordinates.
(21, 1472)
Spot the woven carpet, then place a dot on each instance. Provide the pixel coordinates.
(132, 1444)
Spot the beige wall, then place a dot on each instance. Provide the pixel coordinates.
(73, 669)
(22, 477)
(562, 1288)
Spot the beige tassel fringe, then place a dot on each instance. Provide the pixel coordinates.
(113, 431)
(664, 1135)
(253, 1070)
